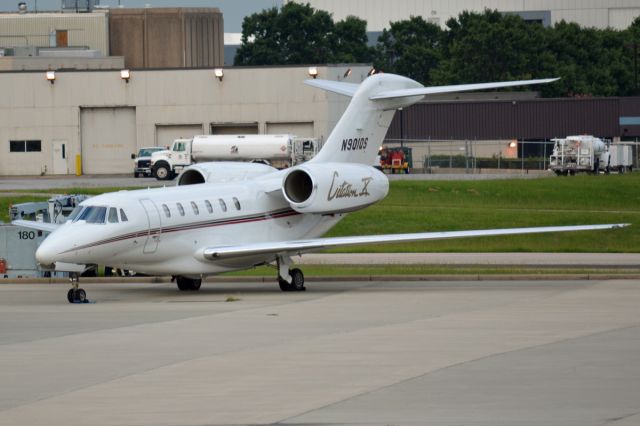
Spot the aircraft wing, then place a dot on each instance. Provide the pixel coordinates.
(40, 226)
(302, 246)
(455, 88)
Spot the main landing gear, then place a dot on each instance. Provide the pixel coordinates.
(188, 284)
(289, 279)
(76, 294)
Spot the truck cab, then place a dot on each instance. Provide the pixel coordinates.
(141, 161)
(166, 164)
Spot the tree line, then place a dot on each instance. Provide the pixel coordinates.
(474, 47)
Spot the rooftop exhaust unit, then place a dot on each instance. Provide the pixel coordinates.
(79, 5)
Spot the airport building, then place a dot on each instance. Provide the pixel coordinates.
(102, 117)
(90, 115)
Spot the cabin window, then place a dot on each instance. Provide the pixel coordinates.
(123, 217)
(94, 214)
(180, 209)
(167, 212)
(223, 205)
(236, 203)
(113, 215)
(209, 206)
(194, 206)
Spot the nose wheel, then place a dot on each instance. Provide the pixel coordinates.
(76, 294)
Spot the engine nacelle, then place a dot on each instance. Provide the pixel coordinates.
(333, 187)
(222, 171)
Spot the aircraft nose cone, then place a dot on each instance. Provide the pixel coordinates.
(45, 254)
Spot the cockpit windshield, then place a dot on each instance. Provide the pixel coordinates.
(93, 214)
(74, 214)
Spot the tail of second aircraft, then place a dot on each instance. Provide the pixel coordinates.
(361, 129)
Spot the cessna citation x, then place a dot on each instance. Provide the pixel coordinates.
(230, 216)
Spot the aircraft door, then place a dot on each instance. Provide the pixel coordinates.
(155, 226)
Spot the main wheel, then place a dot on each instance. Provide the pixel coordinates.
(284, 285)
(136, 174)
(188, 284)
(297, 280)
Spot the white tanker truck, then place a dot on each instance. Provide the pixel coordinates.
(585, 153)
(276, 150)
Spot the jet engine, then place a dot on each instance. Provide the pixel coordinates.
(222, 171)
(333, 187)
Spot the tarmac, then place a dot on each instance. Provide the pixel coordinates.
(341, 353)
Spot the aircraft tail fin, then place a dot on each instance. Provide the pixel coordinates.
(360, 131)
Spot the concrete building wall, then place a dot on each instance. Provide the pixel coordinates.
(378, 13)
(39, 30)
(168, 37)
(33, 109)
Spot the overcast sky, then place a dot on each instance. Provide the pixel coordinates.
(233, 10)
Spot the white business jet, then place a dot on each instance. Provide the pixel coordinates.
(230, 216)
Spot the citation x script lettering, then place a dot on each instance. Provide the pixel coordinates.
(346, 189)
(226, 216)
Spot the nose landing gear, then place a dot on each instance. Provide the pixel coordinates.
(76, 294)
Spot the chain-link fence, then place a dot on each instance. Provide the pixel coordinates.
(469, 156)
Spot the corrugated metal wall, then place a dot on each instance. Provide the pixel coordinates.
(168, 37)
(203, 34)
(83, 29)
(534, 119)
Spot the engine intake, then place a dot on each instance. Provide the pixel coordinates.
(222, 171)
(298, 186)
(333, 187)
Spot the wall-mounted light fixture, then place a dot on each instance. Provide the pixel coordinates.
(512, 144)
(313, 72)
(125, 75)
(219, 73)
(51, 76)
(347, 73)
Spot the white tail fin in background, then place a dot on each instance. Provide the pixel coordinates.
(363, 126)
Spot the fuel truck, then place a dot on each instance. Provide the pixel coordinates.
(279, 151)
(585, 153)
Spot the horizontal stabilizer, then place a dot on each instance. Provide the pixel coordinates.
(303, 246)
(402, 93)
(346, 89)
(40, 226)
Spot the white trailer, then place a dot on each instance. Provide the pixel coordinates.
(280, 151)
(585, 153)
(620, 157)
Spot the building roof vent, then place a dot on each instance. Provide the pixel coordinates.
(79, 5)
